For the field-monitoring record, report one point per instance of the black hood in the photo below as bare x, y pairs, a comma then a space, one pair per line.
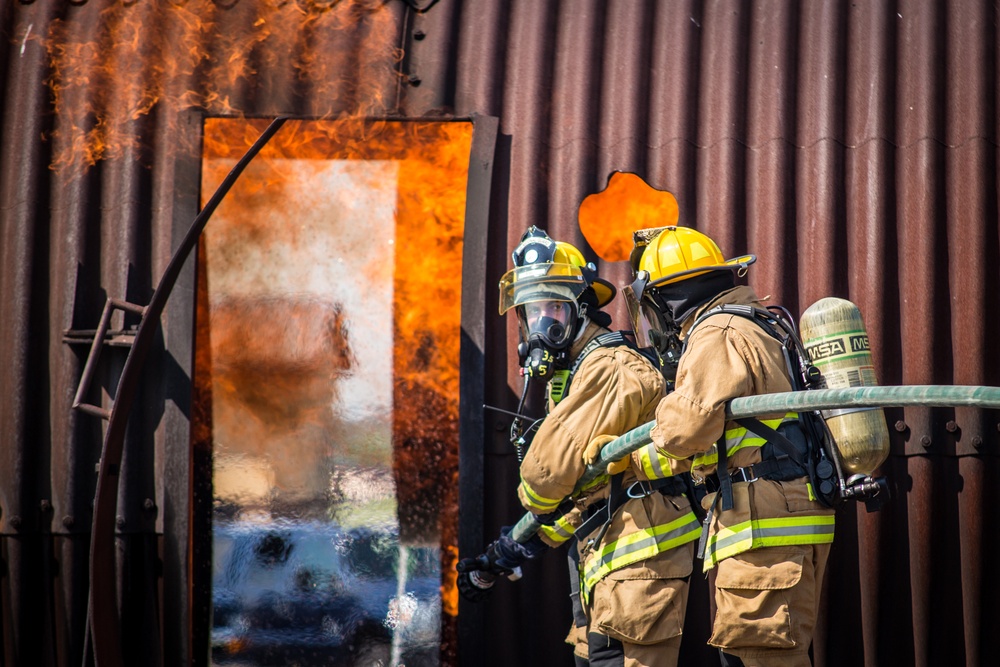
590, 300
682, 299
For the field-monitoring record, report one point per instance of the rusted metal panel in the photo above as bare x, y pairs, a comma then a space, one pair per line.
820, 155
674, 86
71, 576
525, 115
973, 480
971, 159
721, 129
421, 55
920, 223
770, 154
572, 149
622, 110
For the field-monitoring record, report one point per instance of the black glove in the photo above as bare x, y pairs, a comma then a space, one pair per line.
509, 554
501, 559
476, 577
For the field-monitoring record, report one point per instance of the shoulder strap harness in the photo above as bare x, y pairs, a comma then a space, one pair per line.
602, 512
788, 461
559, 384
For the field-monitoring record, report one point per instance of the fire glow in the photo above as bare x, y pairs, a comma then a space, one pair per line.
628, 203
127, 80
306, 347
114, 64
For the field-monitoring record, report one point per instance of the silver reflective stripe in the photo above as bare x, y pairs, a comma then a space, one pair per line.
654, 463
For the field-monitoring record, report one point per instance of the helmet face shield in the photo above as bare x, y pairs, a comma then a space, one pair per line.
554, 291
650, 324
654, 329
540, 282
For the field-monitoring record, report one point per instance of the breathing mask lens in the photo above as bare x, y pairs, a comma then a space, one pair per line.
546, 331
550, 321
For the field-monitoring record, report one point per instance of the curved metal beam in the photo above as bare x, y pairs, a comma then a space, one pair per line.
104, 624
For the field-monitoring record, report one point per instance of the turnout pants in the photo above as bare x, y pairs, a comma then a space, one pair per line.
767, 601
608, 652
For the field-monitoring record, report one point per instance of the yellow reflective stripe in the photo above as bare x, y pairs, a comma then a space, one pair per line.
711, 457
738, 438
654, 464
558, 532
637, 546
671, 456
597, 481
756, 533
538, 503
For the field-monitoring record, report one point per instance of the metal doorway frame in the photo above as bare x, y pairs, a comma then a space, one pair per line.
103, 624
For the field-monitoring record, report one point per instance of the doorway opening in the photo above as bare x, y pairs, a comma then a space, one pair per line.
326, 391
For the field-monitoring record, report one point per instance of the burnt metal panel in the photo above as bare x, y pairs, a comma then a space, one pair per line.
472, 632
183, 500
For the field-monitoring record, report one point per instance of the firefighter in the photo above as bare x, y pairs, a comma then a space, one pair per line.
766, 537
634, 541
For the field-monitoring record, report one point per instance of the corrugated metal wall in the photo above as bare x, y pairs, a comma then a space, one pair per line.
851, 145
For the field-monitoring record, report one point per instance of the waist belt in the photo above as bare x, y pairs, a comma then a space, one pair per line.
780, 470
601, 512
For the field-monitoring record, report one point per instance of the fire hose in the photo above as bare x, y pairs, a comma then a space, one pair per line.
752, 406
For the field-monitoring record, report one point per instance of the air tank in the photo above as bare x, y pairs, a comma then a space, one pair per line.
834, 335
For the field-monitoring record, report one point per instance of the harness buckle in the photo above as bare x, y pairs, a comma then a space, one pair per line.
740, 475
644, 491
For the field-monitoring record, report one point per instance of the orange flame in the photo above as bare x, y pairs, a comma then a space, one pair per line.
628, 203
424, 264
113, 65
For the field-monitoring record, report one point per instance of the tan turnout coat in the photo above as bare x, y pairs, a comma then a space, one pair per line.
613, 391
777, 537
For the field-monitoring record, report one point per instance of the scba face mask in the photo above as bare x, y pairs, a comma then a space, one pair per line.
663, 335
653, 327
546, 299
554, 292
547, 329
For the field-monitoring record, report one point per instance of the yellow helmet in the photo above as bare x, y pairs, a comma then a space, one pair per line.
679, 253
554, 291
549, 270
662, 257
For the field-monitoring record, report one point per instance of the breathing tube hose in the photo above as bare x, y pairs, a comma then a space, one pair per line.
925, 396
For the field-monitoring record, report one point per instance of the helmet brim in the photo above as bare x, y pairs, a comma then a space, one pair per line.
540, 282
604, 290
737, 264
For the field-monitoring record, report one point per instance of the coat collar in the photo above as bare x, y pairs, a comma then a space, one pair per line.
741, 294
591, 332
